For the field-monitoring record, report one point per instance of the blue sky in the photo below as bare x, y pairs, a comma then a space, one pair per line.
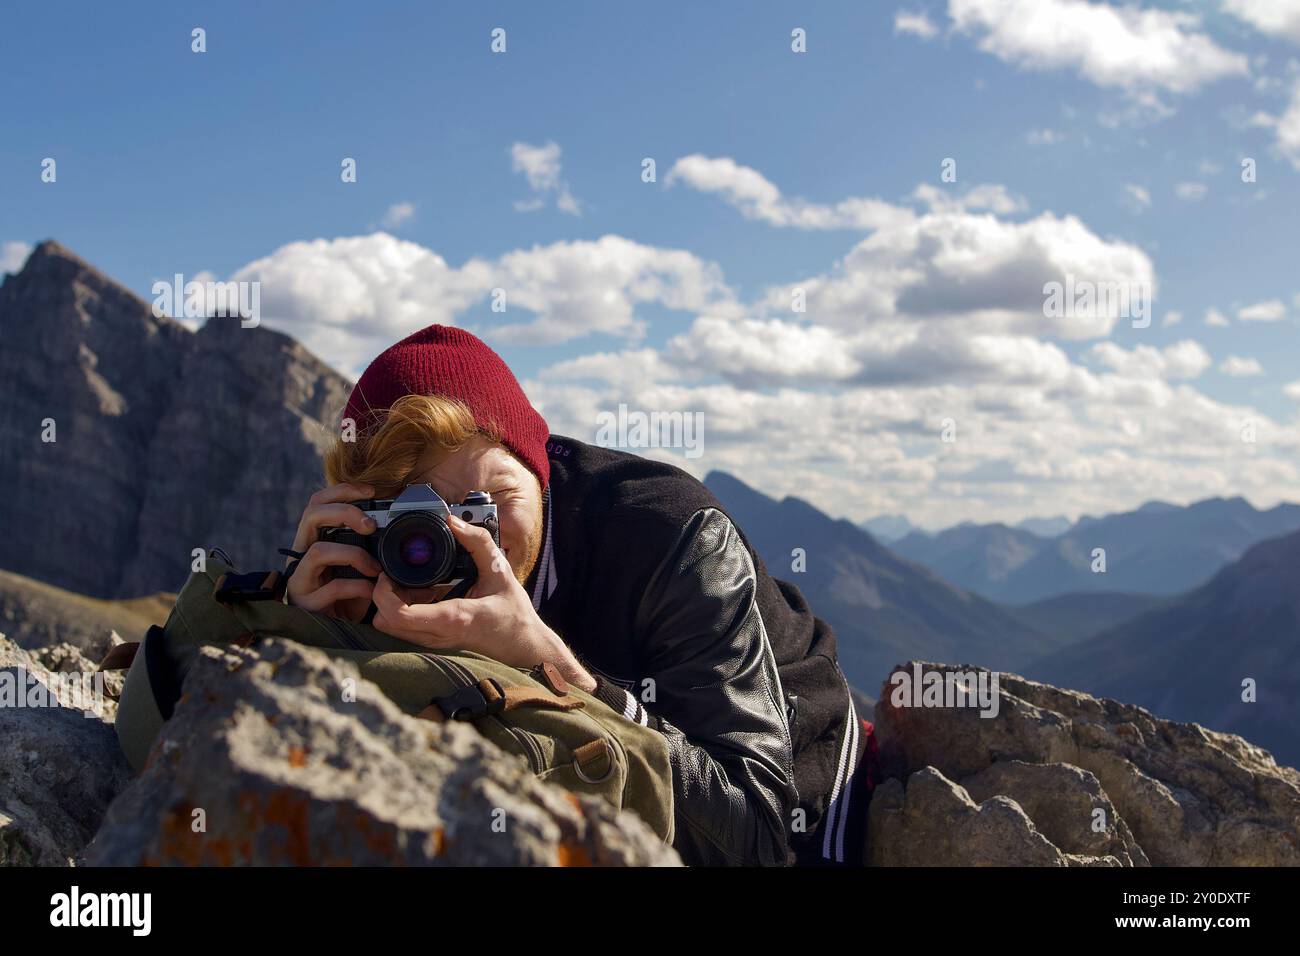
219, 163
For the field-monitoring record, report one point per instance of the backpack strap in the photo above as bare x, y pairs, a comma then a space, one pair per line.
518, 696
489, 697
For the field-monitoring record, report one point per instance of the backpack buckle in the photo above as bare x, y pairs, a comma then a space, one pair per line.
253, 586
470, 703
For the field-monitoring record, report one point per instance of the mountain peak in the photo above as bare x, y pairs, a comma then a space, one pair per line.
728, 488
52, 247
52, 255
45, 285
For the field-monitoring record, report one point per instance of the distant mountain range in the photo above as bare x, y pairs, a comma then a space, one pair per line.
884, 608
1159, 549
891, 528
1186, 659
1183, 657
1045, 527
888, 528
164, 440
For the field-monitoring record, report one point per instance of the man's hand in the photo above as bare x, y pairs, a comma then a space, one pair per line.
313, 585
496, 619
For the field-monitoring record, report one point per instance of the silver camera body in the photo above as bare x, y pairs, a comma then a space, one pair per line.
412, 542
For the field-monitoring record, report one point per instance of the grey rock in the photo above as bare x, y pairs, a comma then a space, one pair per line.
934, 822
68, 659
59, 770
1186, 795
1067, 804
281, 770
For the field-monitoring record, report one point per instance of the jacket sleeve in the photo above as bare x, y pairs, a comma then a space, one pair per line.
717, 699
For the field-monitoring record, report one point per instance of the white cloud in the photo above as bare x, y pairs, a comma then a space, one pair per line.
1275, 17
1183, 360
1139, 198
975, 272
631, 368
1214, 317
1239, 367
1287, 128
1136, 50
348, 298
576, 288
1044, 137
13, 255
1274, 310
1191, 192
764, 353
1099, 441
758, 352
1172, 317
397, 214
757, 198
991, 197
1292, 390
917, 24
541, 167
957, 262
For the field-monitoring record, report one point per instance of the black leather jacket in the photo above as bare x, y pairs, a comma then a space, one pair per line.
646, 578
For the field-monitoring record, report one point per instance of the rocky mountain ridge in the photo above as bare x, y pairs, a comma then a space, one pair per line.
129, 440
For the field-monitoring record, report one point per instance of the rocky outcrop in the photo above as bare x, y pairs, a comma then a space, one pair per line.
165, 440
1057, 777
59, 767
266, 763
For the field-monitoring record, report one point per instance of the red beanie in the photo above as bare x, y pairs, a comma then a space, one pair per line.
441, 360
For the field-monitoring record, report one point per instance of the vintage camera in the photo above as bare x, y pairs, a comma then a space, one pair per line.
413, 544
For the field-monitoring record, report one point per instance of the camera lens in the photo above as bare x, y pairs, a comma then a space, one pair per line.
417, 550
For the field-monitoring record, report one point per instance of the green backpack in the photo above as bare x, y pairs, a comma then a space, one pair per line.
566, 736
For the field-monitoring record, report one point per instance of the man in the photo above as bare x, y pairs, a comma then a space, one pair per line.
627, 575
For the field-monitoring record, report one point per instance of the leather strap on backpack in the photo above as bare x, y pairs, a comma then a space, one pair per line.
516, 696
489, 697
